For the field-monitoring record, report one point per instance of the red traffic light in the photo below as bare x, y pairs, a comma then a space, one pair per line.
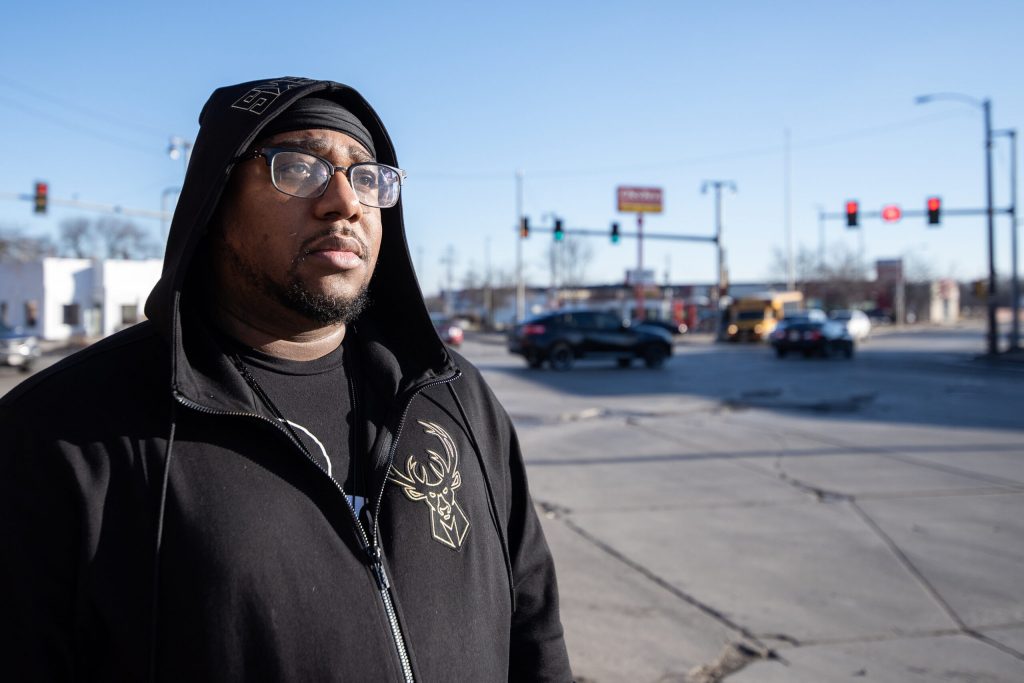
891, 213
41, 197
934, 210
851, 214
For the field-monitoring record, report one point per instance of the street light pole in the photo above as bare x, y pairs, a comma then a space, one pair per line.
821, 237
718, 185
993, 339
986, 107
1014, 277
163, 209
180, 148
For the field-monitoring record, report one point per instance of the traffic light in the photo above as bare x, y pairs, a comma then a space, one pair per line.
934, 210
41, 197
524, 227
980, 288
559, 232
615, 233
852, 208
891, 213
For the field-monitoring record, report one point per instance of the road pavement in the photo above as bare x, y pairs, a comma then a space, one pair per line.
737, 517
743, 518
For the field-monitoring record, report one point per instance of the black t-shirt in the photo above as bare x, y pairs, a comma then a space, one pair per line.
315, 399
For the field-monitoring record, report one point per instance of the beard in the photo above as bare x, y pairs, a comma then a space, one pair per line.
293, 294
319, 307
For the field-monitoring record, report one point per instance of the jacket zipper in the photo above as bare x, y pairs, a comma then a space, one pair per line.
376, 556
373, 550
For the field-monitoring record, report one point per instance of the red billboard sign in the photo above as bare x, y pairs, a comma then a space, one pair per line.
640, 199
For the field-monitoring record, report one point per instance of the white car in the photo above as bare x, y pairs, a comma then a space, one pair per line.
857, 322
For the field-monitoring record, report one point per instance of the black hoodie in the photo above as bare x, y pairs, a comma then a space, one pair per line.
156, 523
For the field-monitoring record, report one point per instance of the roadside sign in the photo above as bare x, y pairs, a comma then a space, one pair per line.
639, 199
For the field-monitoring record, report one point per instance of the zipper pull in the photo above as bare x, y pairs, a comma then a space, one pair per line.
378, 568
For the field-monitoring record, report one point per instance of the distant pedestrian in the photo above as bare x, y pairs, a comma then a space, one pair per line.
283, 474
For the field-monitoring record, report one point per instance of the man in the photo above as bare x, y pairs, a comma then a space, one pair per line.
283, 474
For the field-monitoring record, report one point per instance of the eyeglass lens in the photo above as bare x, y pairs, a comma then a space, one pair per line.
304, 175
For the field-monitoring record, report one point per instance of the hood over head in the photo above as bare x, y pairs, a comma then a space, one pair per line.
395, 324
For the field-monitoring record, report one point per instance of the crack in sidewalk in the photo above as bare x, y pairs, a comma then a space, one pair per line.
735, 655
823, 495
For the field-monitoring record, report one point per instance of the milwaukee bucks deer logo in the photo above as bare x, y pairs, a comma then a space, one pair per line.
435, 484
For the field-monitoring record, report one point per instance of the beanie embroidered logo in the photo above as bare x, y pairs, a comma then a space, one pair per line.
435, 484
263, 95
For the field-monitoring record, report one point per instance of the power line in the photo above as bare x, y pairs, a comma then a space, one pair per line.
736, 155
76, 127
71, 105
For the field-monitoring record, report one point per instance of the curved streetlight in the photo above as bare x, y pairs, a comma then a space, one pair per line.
180, 148
986, 107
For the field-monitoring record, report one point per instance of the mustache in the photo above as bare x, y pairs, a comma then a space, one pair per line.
309, 245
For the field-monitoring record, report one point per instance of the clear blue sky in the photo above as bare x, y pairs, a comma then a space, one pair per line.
582, 96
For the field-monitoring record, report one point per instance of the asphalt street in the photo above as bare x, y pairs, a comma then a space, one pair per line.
737, 517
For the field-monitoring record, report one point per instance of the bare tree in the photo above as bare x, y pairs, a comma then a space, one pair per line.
76, 238
570, 259
917, 269
472, 279
15, 246
123, 239
806, 266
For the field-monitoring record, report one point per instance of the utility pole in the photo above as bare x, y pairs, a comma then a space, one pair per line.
640, 313
986, 108
488, 295
718, 185
786, 220
520, 284
821, 237
993, 337
449, 261
1014, 275
163, 209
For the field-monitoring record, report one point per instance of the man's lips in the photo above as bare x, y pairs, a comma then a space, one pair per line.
336, 243
343, 253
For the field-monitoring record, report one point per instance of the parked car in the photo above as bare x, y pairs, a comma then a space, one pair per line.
451, 333
880, 316
669, 326
18, 349
857, 322
562, 337
813, 338
809, 315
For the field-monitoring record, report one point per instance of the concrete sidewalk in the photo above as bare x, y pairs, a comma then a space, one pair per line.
745, 545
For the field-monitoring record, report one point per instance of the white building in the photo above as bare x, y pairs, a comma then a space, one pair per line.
61, 298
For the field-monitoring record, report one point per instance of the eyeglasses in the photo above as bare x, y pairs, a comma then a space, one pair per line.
301, 174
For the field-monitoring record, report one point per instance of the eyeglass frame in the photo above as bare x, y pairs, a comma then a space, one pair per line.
268, 153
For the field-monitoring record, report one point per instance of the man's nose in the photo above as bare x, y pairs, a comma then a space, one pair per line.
339, 199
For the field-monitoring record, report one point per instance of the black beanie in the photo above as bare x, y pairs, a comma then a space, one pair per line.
317, 112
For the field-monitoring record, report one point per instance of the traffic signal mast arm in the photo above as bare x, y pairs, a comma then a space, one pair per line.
912, 213
590, 232
88, 206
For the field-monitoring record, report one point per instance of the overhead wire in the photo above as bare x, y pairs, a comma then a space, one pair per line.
736, 155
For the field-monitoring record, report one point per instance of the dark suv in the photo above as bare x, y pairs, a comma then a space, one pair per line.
562, 337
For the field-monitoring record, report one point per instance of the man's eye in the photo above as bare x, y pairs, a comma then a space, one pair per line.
297, 170
364, 178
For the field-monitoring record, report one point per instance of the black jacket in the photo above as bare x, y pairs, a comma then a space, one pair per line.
157, 524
